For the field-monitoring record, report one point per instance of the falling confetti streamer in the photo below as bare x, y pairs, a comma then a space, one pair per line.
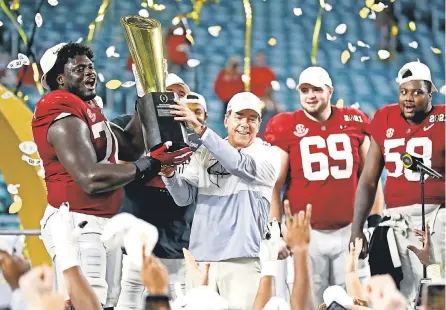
214, 31
116, 55
443, 90
372, 15
20, 19
383, 54
351, 47
345, 56
435, 50
28, 147
24, 59
364, 13
291, 83
328, 7
362, 44
113, 84
193, 62
101, 77
110, 51
53, 2
39, 20
330, 37
341, 29
297, 11
178, 31
340, 103
13, 189
316, 32
272, 42
7, 95
128, 84
143, 13
364, 58
412, 26
16, 205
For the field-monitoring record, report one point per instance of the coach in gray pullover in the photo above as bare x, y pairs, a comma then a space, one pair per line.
231, 182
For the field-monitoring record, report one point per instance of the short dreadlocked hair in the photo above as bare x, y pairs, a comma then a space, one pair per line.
66, 52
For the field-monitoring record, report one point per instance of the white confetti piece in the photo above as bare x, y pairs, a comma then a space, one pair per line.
355, 105
245, 78
413, 44
143, 13
1, 23
341, 29
291, 83
364, 58
362, 44
31, 161
297, 11
178, 31
330, 37
443, 90
53, 2
328, 7
23, 58
351, 47
110, 51
80, 40
7, 95
214, 31
15, 64
28, 147
117, 55
39, 20
41, 172
101, 77
20, 19
128, 84
383, 54
372, 15
13, 189
275, 85
193, 62
381, 6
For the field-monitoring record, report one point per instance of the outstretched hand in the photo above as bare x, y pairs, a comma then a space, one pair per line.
297, 230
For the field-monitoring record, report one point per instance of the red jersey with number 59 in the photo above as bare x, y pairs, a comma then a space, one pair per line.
324, 162
395, 136
60, 185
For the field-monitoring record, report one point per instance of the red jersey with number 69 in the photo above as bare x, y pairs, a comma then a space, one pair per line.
324, 162
395, 136
60, 185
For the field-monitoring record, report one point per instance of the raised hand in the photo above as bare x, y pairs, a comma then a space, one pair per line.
296, 232
196, 274
353, 257
426, 254
13, 267
154, 275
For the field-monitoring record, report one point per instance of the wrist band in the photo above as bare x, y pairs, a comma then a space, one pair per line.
157, 298
203, 130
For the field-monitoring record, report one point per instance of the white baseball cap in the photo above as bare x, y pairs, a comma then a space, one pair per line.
48, 60
245, 101
415, 71
315, 76
173, 79
196, 98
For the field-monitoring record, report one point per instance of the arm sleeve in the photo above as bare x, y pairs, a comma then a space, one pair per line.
184, 187
259, 168
122, 120
48, 112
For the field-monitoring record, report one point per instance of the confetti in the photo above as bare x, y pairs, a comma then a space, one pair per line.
110, 51
369, 3
20, 19
23, 58
297, 11
328, 7
340, 103
16, 205
116, 55
341, 29
383, 54
345, 56
128, 84
364, 58
101, 77
435, 50
362, 44
176, 21
372, 15
272, 42
80, 40
412, 26
15, 64
41, 172
13, 189
7, 95
178, 31
351, 47
113, 84
330, 38
143, 13
1, 23
28, 147
159, 7
53, 2
395, 30
379, 7
364, 13
245, 78
275, 85
214, 30
193, 62
413, 44
38, 19
291, 83
31, 161
355, 105
443, 90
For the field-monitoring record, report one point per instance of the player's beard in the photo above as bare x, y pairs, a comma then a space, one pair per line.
83, 96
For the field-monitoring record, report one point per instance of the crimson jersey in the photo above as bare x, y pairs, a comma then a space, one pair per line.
395, 136
60, 185
324, 162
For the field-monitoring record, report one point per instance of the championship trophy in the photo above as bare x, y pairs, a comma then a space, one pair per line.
144, 39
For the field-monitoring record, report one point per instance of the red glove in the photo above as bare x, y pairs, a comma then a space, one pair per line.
171, 158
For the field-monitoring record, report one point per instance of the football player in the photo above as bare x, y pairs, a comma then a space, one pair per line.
417, 127
326, 147
79, 151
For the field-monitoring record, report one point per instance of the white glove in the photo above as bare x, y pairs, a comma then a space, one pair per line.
139, 89
269, 250
66, 238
